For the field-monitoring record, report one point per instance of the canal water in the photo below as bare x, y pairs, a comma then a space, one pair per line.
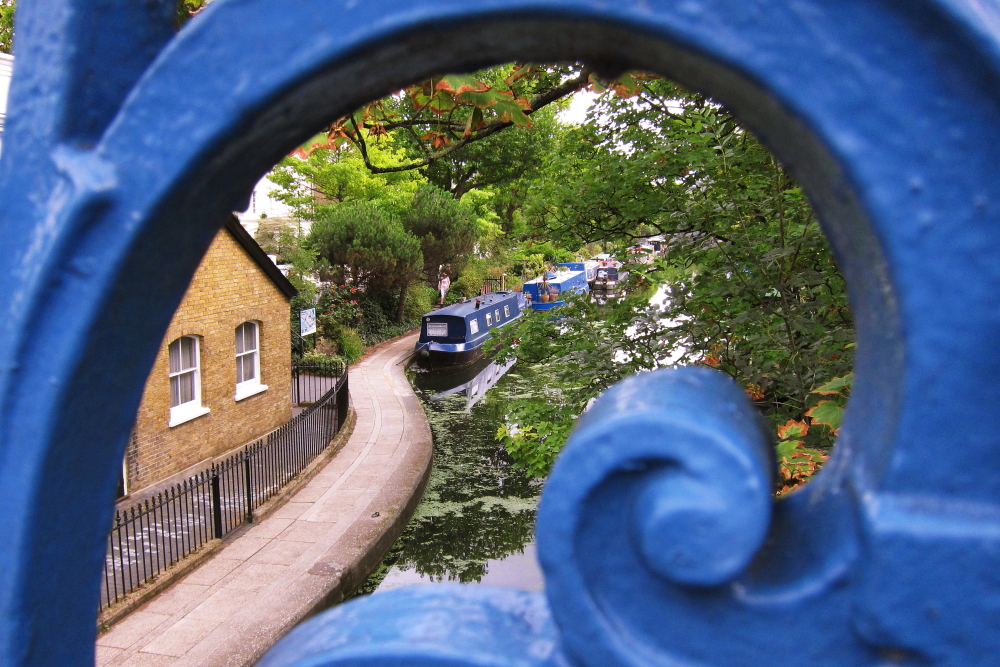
476, 520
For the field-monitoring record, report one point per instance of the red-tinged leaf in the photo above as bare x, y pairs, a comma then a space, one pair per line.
442, 103
520, 71
516, 117
626, 86
423, 89
510, 110
474, 123
595, 85
437, 139
460, 83
481, 100
827, 413
793, 429
836, 385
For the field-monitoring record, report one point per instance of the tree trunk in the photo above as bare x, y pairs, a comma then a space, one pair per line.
402, 302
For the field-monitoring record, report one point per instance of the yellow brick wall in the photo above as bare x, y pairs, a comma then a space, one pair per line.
227, 289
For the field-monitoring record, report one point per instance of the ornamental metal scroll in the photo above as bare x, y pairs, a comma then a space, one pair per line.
127, 145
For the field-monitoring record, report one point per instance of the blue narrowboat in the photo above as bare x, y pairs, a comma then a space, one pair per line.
589, 267
455, 334
554, 284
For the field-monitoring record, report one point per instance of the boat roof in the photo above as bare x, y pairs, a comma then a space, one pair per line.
468, 307
558, 277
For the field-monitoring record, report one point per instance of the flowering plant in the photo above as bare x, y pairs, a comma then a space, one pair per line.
336, 306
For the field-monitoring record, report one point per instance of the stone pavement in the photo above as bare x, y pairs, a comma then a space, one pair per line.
306, 554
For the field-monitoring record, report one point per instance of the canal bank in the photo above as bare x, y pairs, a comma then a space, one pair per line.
307, 554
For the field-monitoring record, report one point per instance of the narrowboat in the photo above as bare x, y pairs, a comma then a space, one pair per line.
608, 277
589, 267
455, 334
544, 290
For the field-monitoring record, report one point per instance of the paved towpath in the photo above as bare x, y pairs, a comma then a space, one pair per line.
305, 554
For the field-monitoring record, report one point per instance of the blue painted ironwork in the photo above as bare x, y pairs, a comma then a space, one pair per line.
126, 147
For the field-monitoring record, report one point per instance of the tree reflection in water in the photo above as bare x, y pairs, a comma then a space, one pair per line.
477, 506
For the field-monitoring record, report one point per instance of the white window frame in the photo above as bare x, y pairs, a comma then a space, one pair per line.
253, 386
185, 412
474, 325
496, 315
506, 311
489, 319
438, 328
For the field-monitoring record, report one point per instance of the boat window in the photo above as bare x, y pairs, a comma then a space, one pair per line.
437, 329
474, 325
506, 311
496, 314
489, 320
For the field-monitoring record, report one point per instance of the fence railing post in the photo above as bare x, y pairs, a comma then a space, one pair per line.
246, 467
216, 505
341, 399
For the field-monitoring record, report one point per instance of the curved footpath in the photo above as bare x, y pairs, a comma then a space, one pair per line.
308, 552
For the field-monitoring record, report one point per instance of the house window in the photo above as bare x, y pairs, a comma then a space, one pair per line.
506, 311
489, 320
474, 326
185, 380
248, 361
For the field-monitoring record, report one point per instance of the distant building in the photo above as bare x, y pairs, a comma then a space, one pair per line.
6, 70
222, 377
262, 205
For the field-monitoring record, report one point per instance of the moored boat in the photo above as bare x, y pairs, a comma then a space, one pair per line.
455, 334
545, 290
589, 268
608, 276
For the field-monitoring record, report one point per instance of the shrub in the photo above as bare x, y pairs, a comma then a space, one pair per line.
419, 300
328, 365
378, 318
350, 344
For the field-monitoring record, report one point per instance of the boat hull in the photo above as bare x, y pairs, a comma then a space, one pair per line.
454, 358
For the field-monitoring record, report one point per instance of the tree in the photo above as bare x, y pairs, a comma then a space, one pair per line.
498, 160
447, 231
445, 114
368, 248
312, 184
752, 287
7, 9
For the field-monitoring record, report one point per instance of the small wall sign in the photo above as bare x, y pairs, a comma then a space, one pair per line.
307, 321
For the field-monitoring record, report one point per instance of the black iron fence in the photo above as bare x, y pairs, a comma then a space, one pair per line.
152, 535
312, 379
494, 284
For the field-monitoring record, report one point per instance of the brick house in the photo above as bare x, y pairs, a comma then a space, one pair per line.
222, 377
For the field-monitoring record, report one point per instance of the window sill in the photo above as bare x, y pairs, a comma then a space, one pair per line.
247, 392
179, 416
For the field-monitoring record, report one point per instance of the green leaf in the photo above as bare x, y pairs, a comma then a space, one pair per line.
836, 385
787, 448
481, 100
828, 413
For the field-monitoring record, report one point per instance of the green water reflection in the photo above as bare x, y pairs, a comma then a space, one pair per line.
477, 507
